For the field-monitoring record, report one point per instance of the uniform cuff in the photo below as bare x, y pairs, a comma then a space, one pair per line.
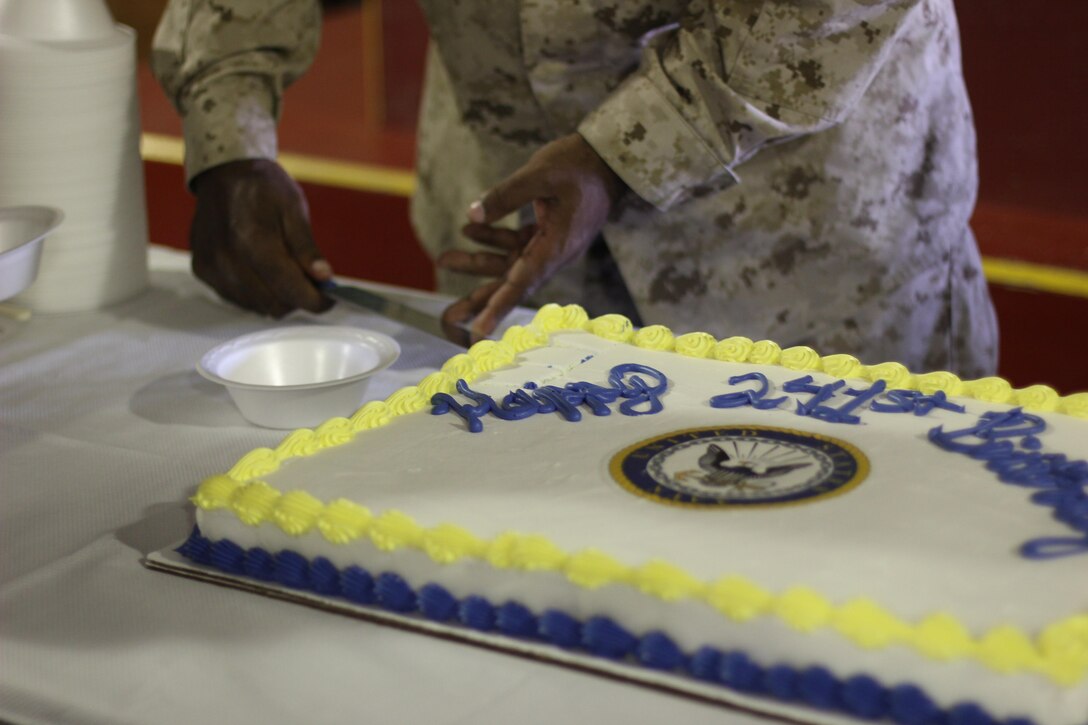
226, 119
649, 145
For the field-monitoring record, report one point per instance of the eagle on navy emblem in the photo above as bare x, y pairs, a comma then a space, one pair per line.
739, 466
719, 469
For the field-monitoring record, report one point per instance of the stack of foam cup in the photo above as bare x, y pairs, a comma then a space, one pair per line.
69, 138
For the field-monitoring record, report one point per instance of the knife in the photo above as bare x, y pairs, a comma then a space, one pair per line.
394, 310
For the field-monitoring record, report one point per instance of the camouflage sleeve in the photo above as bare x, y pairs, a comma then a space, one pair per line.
732, 77
224, 65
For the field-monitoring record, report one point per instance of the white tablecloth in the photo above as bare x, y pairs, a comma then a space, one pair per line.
105, 430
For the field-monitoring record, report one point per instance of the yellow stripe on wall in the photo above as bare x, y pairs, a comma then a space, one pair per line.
309, 169
399, 182
346, 175
162, 149
1056, 280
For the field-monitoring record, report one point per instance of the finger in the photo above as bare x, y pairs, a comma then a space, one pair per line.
498, 237
463, 310
321, 270
457, 315
530, 270
460, 314
540, 258
519, 282
453, 322
527, 232
505, 298
515, 191
498, 305
484, 264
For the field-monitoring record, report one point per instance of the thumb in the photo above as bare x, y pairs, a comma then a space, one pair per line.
515, 191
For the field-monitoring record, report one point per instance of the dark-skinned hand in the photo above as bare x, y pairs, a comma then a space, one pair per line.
572, 191
251, 239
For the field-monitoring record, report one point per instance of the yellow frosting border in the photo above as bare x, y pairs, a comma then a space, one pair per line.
1059, 651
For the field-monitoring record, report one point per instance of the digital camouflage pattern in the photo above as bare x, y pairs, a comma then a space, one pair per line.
799, 171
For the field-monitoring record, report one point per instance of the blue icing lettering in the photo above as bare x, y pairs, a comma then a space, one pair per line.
816, 406
639, 386
1008, 444
1054, 547
442, 403
756, 398
516, 405
824, 401
636, 391
844, 413
912, 401
596, 397
552, 399
820, 394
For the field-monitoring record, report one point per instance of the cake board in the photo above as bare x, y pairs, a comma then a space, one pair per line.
169, 561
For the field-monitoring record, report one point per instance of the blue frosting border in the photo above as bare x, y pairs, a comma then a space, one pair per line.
858, 696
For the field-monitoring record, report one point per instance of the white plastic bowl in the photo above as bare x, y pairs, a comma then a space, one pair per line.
22, 229
298, 377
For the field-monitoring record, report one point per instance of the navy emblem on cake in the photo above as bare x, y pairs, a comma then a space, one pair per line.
739, 466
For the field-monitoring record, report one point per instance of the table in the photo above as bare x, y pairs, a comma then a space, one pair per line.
105, 431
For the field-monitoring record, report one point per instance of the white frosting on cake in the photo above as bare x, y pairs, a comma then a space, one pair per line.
926, 532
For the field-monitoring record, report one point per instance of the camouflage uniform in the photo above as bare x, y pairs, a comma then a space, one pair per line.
799, 171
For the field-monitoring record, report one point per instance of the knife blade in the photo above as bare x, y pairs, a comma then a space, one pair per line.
393, 309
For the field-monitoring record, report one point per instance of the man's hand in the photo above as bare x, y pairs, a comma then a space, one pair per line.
251, 239
572, 191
